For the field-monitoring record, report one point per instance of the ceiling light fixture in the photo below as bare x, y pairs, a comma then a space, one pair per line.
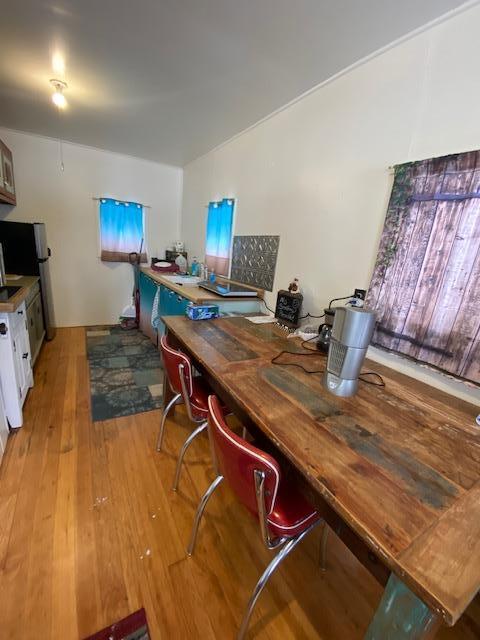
58, 98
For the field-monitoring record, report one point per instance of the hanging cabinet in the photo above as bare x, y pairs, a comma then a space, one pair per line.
7, 180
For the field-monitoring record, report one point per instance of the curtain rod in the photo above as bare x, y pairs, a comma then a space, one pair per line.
145, 206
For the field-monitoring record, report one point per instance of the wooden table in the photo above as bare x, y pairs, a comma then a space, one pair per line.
396, 470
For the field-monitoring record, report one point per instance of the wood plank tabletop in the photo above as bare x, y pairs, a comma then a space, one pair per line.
399, 464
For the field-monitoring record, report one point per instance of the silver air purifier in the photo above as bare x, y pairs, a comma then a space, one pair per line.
351, 334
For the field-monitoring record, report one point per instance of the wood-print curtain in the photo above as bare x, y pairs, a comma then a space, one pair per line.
425, 288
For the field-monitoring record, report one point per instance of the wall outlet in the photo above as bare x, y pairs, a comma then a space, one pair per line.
361, 294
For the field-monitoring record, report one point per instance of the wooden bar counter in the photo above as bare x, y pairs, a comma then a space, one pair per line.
395, 468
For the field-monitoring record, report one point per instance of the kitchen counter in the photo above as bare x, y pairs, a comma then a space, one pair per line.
26, 283
193, 293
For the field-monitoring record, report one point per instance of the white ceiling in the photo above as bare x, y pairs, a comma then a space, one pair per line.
168, 80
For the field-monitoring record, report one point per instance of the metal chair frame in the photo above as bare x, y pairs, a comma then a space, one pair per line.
180, 398
286, 544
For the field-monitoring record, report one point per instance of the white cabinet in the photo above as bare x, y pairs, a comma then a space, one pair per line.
4, 431
16, 375
36, 329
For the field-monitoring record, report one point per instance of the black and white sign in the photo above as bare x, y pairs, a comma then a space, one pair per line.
288, 308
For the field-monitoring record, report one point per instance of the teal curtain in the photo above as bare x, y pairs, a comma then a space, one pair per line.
219, 236
121, 230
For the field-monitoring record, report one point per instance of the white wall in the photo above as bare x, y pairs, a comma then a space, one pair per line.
316, 173
87, 291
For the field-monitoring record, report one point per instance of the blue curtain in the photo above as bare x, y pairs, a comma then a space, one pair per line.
219, 236
121, 230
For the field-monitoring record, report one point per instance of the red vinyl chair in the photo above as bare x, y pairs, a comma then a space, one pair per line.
189, 390
285, 516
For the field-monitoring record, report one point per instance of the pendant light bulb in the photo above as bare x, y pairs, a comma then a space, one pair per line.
58, 98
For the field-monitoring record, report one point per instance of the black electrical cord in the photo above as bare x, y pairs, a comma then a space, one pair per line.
274, 360
295, 364
372, 373
309, 340
268, 308
309, 315
338, 299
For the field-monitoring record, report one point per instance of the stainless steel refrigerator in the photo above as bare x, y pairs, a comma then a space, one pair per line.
26, 253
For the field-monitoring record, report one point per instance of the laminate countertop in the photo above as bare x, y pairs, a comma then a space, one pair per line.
26, 283
195, 294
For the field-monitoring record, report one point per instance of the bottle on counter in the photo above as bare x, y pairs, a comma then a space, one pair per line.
194, 267
181, 262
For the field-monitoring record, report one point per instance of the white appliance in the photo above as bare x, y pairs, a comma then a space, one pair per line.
4, 431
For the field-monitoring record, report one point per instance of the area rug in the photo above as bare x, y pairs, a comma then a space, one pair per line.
125, 372
133, 627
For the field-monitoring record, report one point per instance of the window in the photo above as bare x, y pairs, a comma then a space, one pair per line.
219, 236
425, 287
121, 230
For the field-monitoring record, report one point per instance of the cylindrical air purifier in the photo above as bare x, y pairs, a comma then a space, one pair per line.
351, 334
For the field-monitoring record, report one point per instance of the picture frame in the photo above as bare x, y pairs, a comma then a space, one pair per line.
8, 180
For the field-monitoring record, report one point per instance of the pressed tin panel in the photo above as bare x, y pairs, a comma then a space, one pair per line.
254, 259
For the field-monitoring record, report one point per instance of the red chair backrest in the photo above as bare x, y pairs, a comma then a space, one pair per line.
172, 359
237, 460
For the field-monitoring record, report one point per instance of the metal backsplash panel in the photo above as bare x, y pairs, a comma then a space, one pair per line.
254, 259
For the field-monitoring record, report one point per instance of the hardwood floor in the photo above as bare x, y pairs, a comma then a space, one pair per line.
90, 531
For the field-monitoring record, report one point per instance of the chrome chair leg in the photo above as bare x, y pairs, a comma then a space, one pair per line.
199, 513
173, 401
186, 444
281, 555
323, 547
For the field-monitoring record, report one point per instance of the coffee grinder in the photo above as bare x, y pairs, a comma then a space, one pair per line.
325, 330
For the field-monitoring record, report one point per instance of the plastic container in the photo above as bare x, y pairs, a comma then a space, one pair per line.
194, 267
203, 311
181, 262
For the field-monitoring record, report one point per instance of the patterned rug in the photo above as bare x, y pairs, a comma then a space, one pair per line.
125, 372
